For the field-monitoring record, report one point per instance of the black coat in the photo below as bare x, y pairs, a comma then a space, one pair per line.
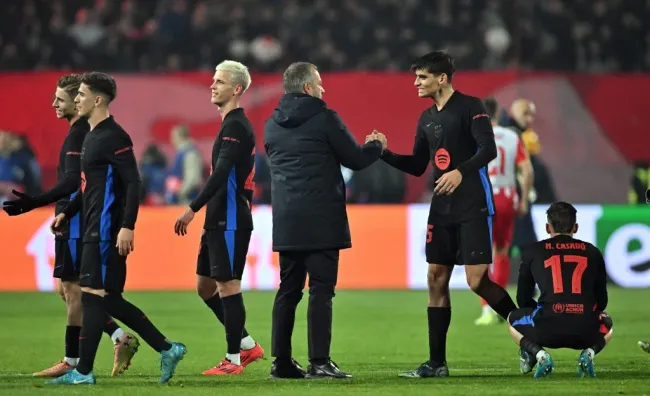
306, 145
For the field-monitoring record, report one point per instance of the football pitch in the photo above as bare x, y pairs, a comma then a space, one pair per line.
376, 335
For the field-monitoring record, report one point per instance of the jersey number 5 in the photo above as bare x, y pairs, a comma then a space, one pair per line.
555, 262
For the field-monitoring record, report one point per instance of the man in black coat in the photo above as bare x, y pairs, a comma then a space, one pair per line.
306, 145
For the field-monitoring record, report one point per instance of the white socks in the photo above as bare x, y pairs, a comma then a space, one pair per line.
234, 358
247, 343
487, 310
117, 334
72, 361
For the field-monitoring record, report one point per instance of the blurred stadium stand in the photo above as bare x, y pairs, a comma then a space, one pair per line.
573, 58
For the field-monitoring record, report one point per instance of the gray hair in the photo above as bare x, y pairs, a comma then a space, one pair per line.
297, 75
238, 73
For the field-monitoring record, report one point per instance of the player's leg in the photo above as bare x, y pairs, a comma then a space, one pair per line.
227, 253
523, 332
91, 280
600, 340
475, 252
66, 276
502, 230
206, 288
441, 251
322, 267
293, 274
171, 353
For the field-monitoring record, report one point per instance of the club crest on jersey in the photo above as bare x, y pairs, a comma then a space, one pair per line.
442, 159
437, 130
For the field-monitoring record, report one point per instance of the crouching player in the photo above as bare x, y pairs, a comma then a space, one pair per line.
571, 277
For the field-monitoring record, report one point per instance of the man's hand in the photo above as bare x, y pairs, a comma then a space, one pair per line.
523, 207
180, 228
125, 243
58, 221
448, 183
376, 135
16, 207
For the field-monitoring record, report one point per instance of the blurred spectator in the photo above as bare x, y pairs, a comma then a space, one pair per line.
262, 179
153, 171
379, 183
640, 183
28, 164
564, 35
18, 167
185, 177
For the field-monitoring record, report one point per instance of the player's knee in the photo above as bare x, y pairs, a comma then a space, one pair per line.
71, 292
59, 289
477, 280
437, 281
321, 289
229, 288
474, 282
206, 287
111, 300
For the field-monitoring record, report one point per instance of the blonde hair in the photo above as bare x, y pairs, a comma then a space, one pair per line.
238, 73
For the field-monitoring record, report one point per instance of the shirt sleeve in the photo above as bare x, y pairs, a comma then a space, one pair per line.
481, 129
601, 280
236, 143
72, 178
522, 154
525, 284
120, 155
349, 153
414, 164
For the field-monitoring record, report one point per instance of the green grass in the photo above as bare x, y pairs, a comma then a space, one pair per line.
376, 335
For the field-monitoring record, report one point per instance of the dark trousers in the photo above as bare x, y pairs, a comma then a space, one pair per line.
322, 267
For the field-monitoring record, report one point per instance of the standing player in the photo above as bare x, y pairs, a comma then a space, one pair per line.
571, 277
109, 191
511, 157
456, 135
67, 245
228, 193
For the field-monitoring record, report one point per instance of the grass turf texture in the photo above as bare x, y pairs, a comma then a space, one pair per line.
376, 335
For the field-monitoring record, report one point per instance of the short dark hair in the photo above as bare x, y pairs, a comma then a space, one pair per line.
297, 75
562, 217
491, 106
70, 84
436, 62
100, 83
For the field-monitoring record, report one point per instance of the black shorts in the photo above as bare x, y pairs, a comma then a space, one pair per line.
531, 323
222, 254
67, 259
467, 243
102, 267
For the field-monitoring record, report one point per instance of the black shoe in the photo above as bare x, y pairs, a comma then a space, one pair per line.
286, 369
326, 370
427, 370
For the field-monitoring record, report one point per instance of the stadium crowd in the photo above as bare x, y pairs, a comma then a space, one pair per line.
170, 35
157, 35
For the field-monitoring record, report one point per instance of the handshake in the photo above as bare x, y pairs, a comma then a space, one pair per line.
375, 135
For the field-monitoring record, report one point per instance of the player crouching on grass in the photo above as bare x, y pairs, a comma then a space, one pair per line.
571, 277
